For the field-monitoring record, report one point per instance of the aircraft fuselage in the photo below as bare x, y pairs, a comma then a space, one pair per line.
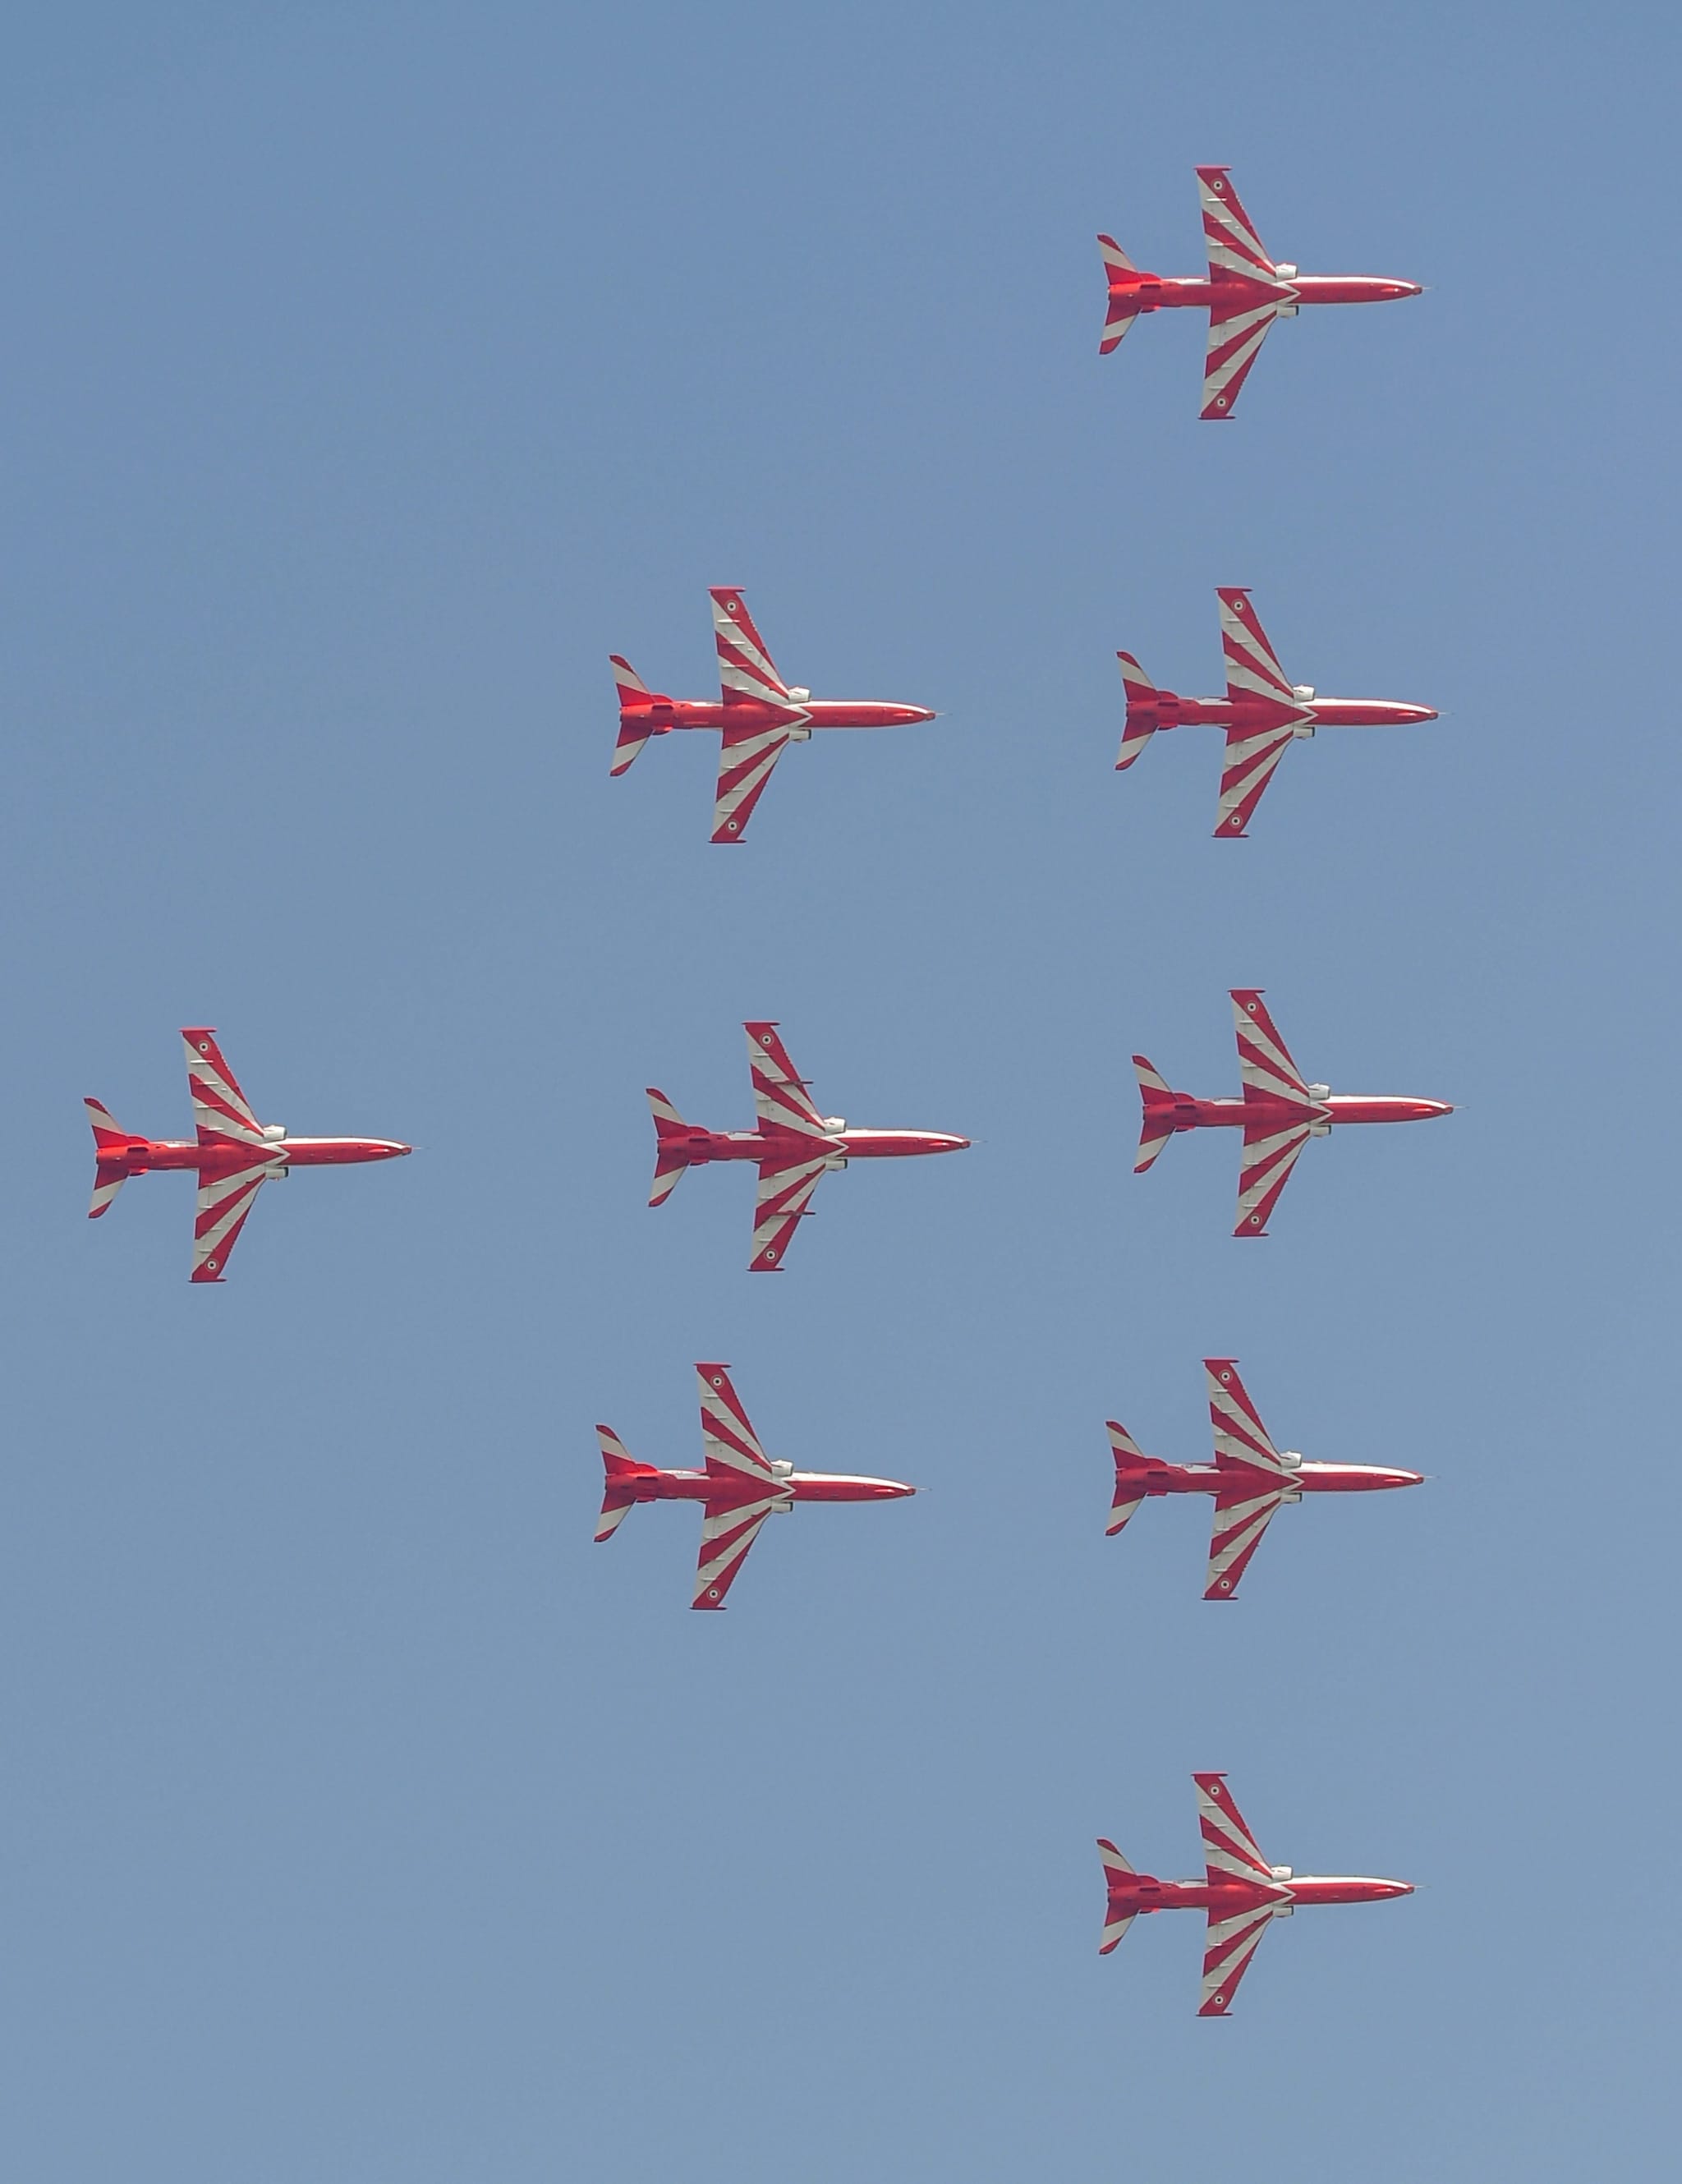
663, 715
700, 1146
145, 1153
1191, 1113
1141, 1892
1160, 1478
652, 1485
1257, 715
1153, 291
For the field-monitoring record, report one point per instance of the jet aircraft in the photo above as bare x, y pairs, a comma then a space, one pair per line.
794, 1146
1251, 1480
1240, 1892
1279, 1113
1262, 712
1246, 291
740, 1487
234, 1154
760, 716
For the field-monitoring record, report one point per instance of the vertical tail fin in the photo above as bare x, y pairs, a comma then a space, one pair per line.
1143, 715
1158, 1124
619, 1493
1118, 1878
641, 713
671, 1156
110, 1154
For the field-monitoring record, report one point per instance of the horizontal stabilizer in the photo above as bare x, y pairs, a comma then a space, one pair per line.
1143, 718
1158, 1124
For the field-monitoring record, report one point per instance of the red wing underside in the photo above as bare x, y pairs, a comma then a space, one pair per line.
1270, 1153
785, 1189
1242, 1514
781, 1098
225, 1201
1238, 327
1248, 768
744, 764
728, 1530
1228, 1949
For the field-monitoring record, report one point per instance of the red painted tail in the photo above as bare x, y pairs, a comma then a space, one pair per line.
1124, 278
111, 1149
672, 1137
1158, 1124
641, 713
619, 1492
1144, 710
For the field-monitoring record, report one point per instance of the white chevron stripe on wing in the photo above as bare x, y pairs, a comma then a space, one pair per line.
1228, 1948
1230, 1850
1268, 1159
745, 758
784, 1192
1238, 1530
220, 1109
727, 1438
224, 1203
1248, 767
1240, 1437
1264, 1060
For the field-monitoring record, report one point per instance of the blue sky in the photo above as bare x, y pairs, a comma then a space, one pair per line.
371, 373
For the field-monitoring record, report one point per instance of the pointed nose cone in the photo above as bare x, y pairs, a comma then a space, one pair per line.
1394, 290
394, 1150
1393, 1478
913, 714
1385, 1889
948, 1144
1411, 714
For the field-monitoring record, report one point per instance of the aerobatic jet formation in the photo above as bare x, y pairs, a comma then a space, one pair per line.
740, 1487
794, 1146
233, 1153
1241, 1893
1278, 1113
1251, 1480
759, 716
1245, 291
1262, 713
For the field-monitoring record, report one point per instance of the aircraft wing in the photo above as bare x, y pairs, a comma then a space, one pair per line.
220, 1111
1230, 1852
1253, 669
732, 1446
1269, 1156
1242, 1514
1233, 246
1264, 1059
781, 1098
1245, 772
1227, 1948
1240, 1437
226, 1198
744, 763
728, 1529
785, 1189
1238, 327
745, 669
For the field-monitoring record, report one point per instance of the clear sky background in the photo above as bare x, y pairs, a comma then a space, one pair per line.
370, 372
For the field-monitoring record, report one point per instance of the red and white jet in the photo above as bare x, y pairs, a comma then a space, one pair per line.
234, 1154
1279, 1113
1262, 713
1245, 292
760, 716
1241, 1893
739, 1489
1251, 1480
794, 1147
